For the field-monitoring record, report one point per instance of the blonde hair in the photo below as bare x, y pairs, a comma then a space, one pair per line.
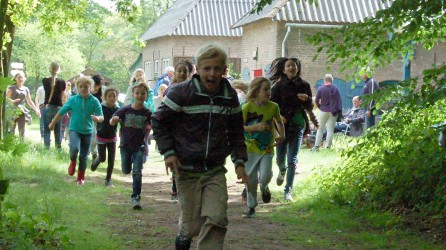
141, 77
254, 87
240, 84
211, 51
84, 79
54, 70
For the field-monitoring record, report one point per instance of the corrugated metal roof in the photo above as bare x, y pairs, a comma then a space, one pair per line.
200, 18
326, 11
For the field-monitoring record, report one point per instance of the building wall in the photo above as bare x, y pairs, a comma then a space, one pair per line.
168, 48
268, 37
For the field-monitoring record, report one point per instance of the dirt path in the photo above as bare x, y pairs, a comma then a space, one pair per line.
155, 226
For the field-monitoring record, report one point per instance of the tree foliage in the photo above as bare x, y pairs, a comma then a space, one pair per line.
398, 163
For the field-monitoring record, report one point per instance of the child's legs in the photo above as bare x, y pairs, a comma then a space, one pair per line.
174, 184
189, 197
102, 154
137, 158
93, 146
265, 170
41, 123
85, 142
252, 169
214, 211
126, 160
75, 145
111, 147
281, 152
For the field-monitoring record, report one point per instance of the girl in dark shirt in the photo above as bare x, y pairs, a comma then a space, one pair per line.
54, 89
106, 135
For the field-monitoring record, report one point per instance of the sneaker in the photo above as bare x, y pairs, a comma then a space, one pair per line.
314, 149
72, 168
136, 203
108, 183
94, 165
266, 195
80, 182
94, 156
280, 178
244, 197
249, 212
287, 196
173, 196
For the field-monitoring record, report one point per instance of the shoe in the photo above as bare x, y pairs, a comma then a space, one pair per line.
94, 165
80, 178
173, 196
244, 197
287, 196
280, 178
136, 203
314, 149
72, 168
108, 183
266, 195
249, 212
94, 156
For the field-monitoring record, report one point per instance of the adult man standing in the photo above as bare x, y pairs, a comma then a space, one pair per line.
164, 79
370, 87
328, 100
199, 124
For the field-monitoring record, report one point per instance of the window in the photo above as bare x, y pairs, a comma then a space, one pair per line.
157, 68
166, 63
148, 70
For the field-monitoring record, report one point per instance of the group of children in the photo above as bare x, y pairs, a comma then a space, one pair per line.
264, 128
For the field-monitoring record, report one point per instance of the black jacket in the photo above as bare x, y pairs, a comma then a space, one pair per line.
202, 130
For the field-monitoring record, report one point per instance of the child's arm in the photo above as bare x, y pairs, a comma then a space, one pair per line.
54, 121
114, 120
281, 132
97, 118
261, 126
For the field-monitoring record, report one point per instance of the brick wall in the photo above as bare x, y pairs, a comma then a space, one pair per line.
268, 36
183, 46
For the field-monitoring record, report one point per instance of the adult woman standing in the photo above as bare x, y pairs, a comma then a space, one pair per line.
293, 95
17, 94
54, 90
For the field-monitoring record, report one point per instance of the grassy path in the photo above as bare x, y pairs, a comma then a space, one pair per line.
102, 218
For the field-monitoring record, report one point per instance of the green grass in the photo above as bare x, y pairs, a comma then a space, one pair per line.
40, 187
42, 195
316, 222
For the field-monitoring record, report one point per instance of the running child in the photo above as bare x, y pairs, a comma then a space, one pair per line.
106, 135
259, 117
85, 109
134, 118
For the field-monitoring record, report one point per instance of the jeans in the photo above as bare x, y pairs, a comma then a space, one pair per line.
259, 170
80, 144
136, 157
370, 121
41, 123
50, 112
289, 149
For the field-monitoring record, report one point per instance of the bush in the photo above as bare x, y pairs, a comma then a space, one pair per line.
399, 163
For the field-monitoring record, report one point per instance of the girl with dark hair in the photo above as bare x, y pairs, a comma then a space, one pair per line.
54, 91
17, 94
293, 95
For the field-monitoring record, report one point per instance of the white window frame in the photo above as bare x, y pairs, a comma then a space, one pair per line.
157, 68
166, 63
148, 70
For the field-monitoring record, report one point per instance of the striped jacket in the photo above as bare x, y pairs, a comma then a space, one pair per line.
202, 130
